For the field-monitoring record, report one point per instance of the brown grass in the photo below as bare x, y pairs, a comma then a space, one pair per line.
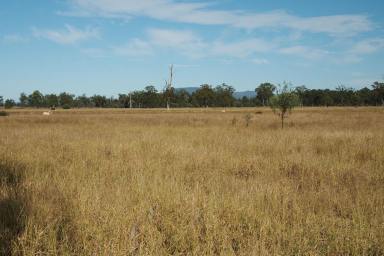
192, 182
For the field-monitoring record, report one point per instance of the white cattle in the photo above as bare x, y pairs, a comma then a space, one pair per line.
47, 113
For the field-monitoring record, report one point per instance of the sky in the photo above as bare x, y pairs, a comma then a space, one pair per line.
116, 46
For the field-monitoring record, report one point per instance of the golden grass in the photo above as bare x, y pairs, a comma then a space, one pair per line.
192, 182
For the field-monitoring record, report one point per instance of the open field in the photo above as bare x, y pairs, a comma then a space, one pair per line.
192, 182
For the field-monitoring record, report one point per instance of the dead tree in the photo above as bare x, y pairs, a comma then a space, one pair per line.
168, 87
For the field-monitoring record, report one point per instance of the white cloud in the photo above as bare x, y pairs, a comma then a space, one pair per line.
241, 49
203, 13
186, 65
94, 52
136, 47
360, 49
259, 61
70, 35
185, 41
304, 52
14, 38
367, 46
190, 44
344, 25
173, 38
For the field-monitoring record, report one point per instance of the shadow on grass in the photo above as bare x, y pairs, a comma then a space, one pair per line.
13, 207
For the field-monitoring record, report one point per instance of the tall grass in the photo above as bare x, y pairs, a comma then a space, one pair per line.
192, 182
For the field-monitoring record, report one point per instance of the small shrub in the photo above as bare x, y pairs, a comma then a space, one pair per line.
247, 119
3, 113
283, 102
66, 106
234, 121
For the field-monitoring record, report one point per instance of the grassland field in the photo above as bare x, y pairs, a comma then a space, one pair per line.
192, 182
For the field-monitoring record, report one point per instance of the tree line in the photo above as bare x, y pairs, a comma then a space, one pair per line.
205, 96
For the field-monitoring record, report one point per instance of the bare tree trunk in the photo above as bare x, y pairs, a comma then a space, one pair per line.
130, 100
169, 86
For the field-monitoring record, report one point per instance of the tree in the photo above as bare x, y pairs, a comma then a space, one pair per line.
224, 95
264, 92
204, 96
23, 99
151, 98
99, 101
344, 95
283, 102
137, 98
300, 91
1, 101
82, 101
124, 100
366, 97
9, 103
51, 100
36, 99
326, 100
182, 98
66, 99
169, 90
378, 92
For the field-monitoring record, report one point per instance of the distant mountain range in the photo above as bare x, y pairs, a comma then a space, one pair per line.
249, 94
237, 95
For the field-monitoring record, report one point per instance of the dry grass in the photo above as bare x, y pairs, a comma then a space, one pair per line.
192, 182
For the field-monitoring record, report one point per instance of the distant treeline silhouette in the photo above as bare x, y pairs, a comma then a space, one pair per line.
204, 96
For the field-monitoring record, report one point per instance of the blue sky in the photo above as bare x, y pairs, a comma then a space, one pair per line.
114, 46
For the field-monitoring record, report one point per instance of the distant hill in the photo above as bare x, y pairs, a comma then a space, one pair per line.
190, 90
237, 95
249, 94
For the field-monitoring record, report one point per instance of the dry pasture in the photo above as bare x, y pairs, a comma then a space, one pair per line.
192, 182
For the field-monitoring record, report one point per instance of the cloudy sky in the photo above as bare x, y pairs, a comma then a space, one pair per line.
113, 46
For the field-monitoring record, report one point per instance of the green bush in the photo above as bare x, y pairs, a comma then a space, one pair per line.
66, 106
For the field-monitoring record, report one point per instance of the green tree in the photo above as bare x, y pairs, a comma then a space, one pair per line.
66, 99
366, 97
264, 92
23, 99
204, 96
9, 103
326, 100
151, 98
123, 100
224, 95
82, 101
378, 92
300, 91
344, 95
283, 102
51, 100
1, 101
99, 101
182, 98
137, 98
36, 99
